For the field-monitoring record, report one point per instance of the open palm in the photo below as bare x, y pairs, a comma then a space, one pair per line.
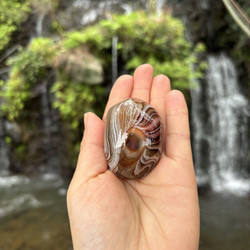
160, 211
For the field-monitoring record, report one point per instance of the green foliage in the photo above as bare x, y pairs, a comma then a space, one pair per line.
29, 67
74, 99
7, 140
12, 14
142, 38
90, 36
158, 40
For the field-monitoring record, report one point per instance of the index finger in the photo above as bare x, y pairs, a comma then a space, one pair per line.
121, 90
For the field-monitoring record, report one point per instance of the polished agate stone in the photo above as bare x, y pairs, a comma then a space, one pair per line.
133, 139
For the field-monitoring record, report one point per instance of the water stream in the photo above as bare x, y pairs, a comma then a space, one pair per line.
114, 59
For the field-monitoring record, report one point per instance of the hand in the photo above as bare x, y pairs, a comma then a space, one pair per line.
160, 211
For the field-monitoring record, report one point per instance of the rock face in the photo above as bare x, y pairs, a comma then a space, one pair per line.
79, 13
210, 22
81, 67
13, 130
4, 151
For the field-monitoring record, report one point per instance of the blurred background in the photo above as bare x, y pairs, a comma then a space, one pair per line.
59, 59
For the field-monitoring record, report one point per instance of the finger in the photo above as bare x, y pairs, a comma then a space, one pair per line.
142, 82
177, 143
121, 90
159, 90
91, 160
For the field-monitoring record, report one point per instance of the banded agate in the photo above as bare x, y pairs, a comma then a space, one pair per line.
133, 142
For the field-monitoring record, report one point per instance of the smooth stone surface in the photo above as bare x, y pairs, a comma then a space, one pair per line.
133, 140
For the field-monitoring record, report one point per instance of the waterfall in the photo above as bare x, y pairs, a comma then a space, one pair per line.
39, 24
114, 59
220, 121
159, 6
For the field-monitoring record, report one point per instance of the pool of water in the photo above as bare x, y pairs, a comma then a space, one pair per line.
33, 215
225, 222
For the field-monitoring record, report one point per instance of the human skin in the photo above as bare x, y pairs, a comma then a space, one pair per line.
159, 211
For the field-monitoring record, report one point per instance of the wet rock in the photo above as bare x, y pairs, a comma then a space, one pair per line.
81, 67
13, 130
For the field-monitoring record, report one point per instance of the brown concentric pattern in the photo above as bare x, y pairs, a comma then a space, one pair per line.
133, 139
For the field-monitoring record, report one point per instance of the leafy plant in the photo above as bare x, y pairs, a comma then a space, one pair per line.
142, 38
158, 40
12, 14
29, 67
74, 99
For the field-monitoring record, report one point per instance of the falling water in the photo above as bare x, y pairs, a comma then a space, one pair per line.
220, 126
159, 6
114, 59
39, 24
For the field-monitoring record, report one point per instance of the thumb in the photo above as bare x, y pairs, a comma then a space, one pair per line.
91, 160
